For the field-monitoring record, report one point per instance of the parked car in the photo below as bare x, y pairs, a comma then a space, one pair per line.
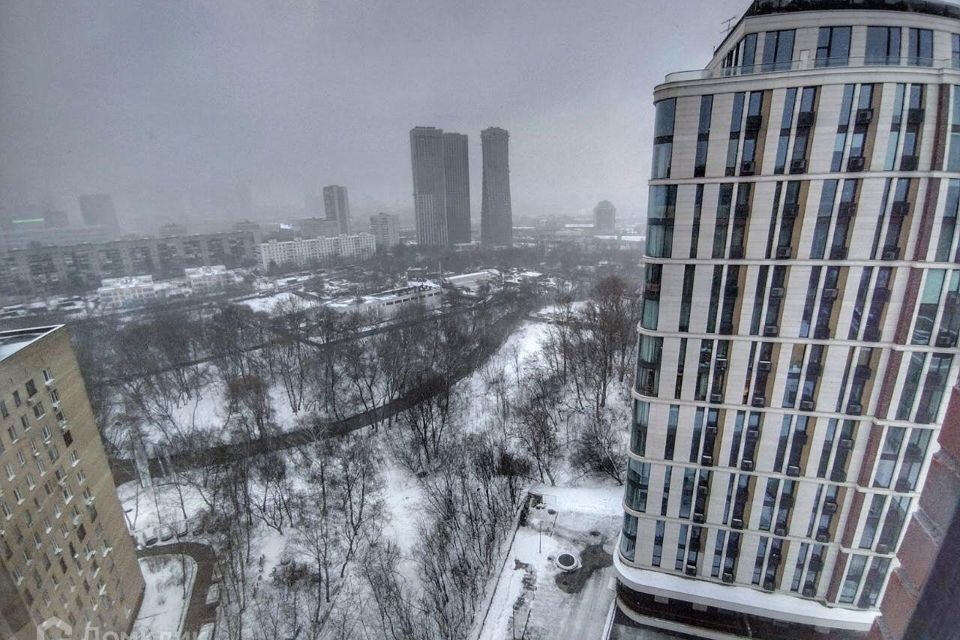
150, 539
166, 534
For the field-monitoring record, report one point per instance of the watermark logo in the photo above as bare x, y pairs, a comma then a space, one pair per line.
54, 629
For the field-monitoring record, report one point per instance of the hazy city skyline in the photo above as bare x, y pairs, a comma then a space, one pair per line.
149, 102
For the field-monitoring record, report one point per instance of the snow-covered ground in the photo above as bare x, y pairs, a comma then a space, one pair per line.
169, 583
532, 593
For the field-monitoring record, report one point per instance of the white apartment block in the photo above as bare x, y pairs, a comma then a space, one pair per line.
129, 291
800, 319
305, 251
392, 302
208, 278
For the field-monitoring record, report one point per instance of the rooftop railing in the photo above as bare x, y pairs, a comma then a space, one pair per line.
812, 64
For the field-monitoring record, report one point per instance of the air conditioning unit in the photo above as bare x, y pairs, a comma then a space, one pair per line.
854, 409
763, 365
909, 163
706, 461
798, 166
784, 253
774, 559
702, 490
699, 518
727, 577
829, 508
747, 168
915, 116
807, 405
806, 118
855, 164
890, 253
777, 292
759, 401
809, 592
900, 209
793, 471
823, 536
746, 465
691, 571
712, 429
716, 398
771, 330
946, 339
768, 584
780, 531
736, 523
847, 209
830, 294
864, 116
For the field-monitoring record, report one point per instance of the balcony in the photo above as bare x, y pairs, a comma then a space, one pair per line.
857, 65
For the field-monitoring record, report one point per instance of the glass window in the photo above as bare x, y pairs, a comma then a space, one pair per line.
778, 50
920, 48
641, 420
671, 440
660, 214
628, 541
663, 138
638, 485
833, 47
658, 544
883, 45
749, 53
703, 136
854, 575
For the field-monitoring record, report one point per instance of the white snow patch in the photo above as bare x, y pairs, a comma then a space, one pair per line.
169, 583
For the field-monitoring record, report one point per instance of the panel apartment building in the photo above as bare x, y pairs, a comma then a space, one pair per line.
805, 186
65, 551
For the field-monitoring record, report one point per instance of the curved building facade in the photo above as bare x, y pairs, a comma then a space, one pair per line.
804, 190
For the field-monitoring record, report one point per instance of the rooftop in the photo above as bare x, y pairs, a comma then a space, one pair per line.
13, 341
767, 7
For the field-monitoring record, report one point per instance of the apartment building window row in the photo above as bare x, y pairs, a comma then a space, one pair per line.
901, 458
703, 136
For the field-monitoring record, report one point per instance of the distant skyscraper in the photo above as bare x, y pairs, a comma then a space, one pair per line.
337, 206
97, 209
496, 215
429, 185
456, 166
605, 218
386, 229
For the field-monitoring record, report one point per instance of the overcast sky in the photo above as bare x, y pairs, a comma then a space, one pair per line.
144, 97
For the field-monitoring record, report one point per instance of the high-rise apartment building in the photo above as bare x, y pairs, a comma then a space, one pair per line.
496, 215
805, 186
65, 551
456, 169
429, 185
605, 218
385, 229
98, 210
336, 204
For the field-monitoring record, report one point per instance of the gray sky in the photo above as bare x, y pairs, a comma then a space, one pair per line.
145, 98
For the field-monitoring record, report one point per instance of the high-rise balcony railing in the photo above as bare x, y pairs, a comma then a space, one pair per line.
904, 62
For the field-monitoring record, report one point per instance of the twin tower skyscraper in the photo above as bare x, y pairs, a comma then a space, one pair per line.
441, 187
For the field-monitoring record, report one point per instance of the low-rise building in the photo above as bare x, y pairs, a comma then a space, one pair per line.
129, 291
305, 251
471, 283
389, 303
208, 278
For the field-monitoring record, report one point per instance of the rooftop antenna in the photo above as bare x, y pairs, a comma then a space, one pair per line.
728, 25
